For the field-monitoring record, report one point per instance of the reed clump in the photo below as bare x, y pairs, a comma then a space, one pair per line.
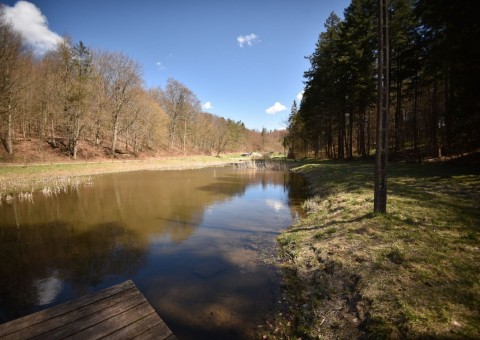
265, 164
48, 187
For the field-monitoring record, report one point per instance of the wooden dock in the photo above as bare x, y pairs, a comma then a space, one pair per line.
118, 312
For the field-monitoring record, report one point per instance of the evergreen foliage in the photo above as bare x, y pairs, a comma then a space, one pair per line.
434, 103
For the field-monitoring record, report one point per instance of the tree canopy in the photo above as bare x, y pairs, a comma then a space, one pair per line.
73, 95
434, 101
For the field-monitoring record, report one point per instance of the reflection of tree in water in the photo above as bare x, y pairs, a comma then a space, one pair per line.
227, 186
43, 260
182, 225
56, 251
237, 183
295, 186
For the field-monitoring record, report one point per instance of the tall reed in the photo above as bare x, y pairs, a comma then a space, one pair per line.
264, 164
46, 186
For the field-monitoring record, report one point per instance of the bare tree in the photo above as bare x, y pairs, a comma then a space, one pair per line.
228, 134
181, 105
74, 86
149, 127
11, 52
121, 80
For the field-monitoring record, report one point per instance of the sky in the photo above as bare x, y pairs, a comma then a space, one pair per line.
244, 60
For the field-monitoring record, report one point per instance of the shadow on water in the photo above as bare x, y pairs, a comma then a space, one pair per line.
194, 242
217, 227
37, 261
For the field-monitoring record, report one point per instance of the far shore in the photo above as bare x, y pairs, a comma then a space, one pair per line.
18, 178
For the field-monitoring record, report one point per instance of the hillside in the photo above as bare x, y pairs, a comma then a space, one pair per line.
36, 150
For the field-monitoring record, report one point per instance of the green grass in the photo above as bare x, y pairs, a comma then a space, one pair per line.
416, 268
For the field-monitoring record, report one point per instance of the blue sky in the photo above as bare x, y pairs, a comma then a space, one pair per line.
243, 59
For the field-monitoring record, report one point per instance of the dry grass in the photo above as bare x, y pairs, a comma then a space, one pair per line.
413, 272
35, 165
16, 179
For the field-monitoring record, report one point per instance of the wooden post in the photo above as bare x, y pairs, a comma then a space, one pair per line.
381, 155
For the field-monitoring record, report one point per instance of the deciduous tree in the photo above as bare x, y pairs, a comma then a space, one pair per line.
121, 80
12, 79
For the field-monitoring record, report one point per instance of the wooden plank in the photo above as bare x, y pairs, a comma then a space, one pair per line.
93, 319
114, 323
119, 312
55, 311
82, 313
138, 327
160, 331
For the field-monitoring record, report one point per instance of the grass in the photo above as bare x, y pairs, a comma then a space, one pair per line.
411, 273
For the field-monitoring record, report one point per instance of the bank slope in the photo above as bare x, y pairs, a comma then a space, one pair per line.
414, 272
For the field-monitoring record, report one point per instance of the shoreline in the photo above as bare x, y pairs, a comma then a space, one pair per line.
411, 273
18, 179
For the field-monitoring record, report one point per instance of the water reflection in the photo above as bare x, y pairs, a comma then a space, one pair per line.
194, 242
48, 288
39, 260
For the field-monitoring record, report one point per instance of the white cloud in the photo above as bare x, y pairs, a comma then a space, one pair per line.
28, 20
276, 108
48, 289
300, 96
275, 204
249, 40
160, 66
207, 106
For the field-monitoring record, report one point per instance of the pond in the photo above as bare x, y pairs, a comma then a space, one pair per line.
199, 244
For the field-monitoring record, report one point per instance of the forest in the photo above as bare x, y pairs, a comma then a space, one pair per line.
434, 106
75, 96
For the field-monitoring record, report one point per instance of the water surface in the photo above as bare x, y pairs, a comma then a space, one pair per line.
197, 243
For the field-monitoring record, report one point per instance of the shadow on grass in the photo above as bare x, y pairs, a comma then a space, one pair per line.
423, 252
443, 185
331, 223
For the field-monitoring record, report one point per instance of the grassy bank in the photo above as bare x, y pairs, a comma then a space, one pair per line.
18, 179
413, 272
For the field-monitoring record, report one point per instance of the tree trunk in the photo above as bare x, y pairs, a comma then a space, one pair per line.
369, 135
398, 109
330, 149
97, 136
448, 112
434, 120
54, 142
172, 136
398, 118
76, 137
135, 144
361, 137
184, 136
115, 135
381, 155
350, 132
415, 127
341, 137
8, 137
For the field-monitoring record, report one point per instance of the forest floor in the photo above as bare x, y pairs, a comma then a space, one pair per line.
37, 167
413, 272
